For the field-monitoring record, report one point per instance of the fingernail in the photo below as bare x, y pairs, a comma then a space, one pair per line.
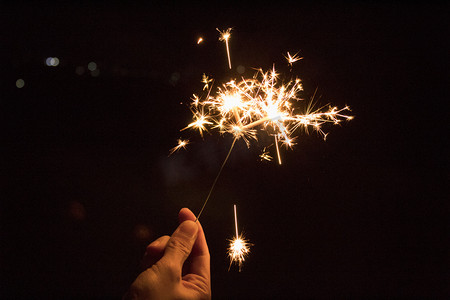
155, 243
189, 228
152, 246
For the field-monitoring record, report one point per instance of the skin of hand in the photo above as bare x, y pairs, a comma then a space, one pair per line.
176, 267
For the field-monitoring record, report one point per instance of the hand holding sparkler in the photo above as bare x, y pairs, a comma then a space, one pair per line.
168, 273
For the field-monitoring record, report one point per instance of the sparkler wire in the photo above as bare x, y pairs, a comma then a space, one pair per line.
217, 177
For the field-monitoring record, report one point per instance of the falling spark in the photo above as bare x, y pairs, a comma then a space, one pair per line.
200, 122
225, 36
292, 58
239, 247
181, 144
199, 41
206, 81
265, 155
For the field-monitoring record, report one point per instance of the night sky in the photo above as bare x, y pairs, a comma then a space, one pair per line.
87, 181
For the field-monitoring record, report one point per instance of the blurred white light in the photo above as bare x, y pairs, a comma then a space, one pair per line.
20, 83
92, 66
55, 61
52, 61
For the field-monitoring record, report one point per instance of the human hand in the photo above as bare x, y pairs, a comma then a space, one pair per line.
176, 267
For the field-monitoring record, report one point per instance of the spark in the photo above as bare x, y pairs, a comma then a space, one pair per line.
195, 100
199, 41
292, 58
265, 155
225, 36
200, 122
250, 108
181, 144
206, 81
239, 247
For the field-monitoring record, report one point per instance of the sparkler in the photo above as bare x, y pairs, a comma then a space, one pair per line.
261, 105
239, 247
249, 108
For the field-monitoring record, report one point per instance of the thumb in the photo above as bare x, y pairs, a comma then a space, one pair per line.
180, 243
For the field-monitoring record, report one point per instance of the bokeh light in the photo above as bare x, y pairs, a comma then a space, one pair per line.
92, 66
20, 83
52, 61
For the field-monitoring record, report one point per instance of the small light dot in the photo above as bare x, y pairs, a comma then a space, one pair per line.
20, 83
92, 66
240, 69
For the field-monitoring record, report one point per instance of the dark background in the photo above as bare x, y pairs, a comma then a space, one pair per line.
87, 182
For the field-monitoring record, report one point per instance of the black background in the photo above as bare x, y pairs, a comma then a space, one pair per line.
87, 181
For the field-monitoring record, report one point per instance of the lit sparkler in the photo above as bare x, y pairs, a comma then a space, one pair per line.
261, 105
249, 108
239, 247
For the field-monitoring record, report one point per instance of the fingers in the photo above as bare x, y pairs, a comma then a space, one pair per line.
158, 245
180, 244
199, 258
200, 246
186, 214
154, 252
